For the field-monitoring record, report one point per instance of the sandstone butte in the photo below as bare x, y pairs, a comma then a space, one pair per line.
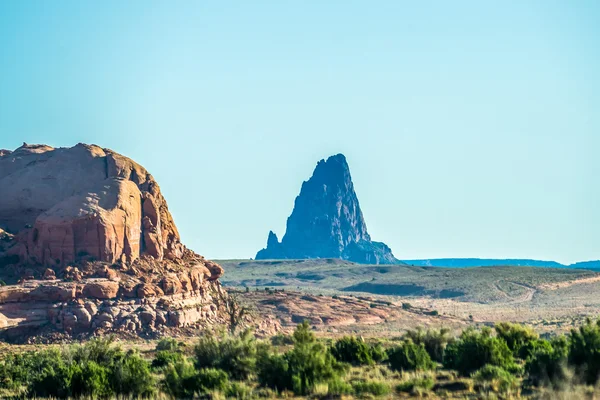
87, 244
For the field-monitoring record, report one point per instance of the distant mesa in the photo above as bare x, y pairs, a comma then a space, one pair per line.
327, 221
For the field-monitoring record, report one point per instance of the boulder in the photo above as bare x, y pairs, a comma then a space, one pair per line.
49, 274
148, 290
101, 289
170, 284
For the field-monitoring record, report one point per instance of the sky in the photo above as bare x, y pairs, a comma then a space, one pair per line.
472, 128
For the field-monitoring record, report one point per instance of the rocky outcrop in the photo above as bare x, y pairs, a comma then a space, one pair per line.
327, 221
83, 201
145, 297
88, 245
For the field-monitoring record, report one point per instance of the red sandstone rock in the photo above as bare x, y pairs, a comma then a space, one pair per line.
84, 201
53, 293
101, 289
148, 290
49, 274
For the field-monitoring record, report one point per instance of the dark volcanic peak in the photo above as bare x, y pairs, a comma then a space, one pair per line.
327, 221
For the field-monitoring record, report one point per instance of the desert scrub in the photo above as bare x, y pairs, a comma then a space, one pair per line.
548, 364
168, 351
96, 369
475, 349
183, 381
236, 355
356, 351
521, 340
168, 344
374, 388
416, 384
239, 391
496, 379
282, 340
434, 341
409, 357
338, 387
584, 351
302, 368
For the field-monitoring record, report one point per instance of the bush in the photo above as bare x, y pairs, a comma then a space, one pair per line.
406, 306
434, 341
409, 357
496, 379
96, 369
520, 339
375, 388
210, 379
167, 344
131, 375
378, 353
548, 364
584, 351
179, 380
234, 355
352, 350
166, 357
337, 387
239, 391
475, 349
300, 369
282, 340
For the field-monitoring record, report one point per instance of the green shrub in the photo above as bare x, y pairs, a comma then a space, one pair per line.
300, 369
548, 364
378, 353
375, 388
409, 357
337, 387
496, 379
239, 391
475, 349
179, 380
434, 341
96, 369
210, 379
167, 344
282, 340
234, 355
166, 357
131, 375
520, 339
406, 306
584, 351
352, 350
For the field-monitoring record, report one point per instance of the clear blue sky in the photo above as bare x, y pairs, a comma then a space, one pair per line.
472, 128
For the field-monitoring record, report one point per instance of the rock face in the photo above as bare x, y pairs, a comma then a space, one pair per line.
327, 221
87, 243
68, 203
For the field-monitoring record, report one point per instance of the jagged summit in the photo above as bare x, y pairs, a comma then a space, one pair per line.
327, 221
